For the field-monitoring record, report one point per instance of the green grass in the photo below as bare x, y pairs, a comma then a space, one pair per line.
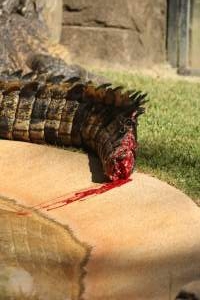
169, 132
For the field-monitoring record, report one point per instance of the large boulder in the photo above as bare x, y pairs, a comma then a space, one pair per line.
115, 32
144, 237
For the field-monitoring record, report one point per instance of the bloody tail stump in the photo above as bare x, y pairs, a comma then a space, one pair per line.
49, 109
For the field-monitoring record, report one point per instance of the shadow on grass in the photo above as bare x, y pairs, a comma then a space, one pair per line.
171, 165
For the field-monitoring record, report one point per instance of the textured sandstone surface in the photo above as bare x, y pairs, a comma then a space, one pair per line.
145, 235
116, 32
37, 254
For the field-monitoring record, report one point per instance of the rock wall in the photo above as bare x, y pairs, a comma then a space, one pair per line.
52, 15
116, 33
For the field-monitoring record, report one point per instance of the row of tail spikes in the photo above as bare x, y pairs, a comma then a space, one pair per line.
102, 93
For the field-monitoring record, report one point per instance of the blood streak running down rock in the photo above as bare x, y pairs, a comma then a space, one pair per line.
77, 196
67, 112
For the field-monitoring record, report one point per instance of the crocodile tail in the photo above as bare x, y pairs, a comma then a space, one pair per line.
110, 127
53, 110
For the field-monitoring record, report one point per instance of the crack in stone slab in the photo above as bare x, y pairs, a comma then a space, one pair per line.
77, 25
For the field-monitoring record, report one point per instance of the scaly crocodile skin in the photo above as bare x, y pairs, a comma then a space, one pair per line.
51, 109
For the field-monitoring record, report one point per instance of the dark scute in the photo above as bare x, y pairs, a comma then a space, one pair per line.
55, 79
17, 74
28, 76
72, 79
118, 88
30, 89
103, 86
76, 92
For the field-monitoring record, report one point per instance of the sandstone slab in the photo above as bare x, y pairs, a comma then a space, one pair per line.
144, 236
37, 255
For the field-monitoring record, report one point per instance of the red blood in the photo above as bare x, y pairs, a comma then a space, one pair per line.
82, 195
121, 163
119, 168
23, 213
86, 193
